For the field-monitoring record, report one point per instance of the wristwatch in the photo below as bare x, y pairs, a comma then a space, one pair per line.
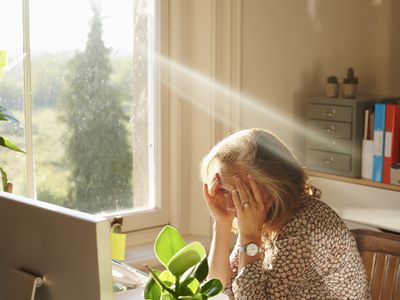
251, 249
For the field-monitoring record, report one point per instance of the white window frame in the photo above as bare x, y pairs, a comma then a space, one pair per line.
134, 220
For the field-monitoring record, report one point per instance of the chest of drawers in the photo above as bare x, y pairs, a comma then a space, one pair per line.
334, 134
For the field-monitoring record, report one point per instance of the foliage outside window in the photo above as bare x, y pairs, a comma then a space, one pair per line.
91, 123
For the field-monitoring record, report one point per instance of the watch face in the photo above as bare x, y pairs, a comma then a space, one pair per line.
252, 249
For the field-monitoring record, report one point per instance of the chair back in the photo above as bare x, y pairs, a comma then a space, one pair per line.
380, 253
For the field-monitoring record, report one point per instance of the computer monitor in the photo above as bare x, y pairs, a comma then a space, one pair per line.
69, 249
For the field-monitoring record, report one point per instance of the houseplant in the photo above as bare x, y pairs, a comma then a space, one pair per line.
6, 116
350, 84
186, 270
332, 87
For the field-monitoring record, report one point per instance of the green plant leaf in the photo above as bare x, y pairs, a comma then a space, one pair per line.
152, 290
200, 271
3, 178
189, 287
212, 287
6, 115
168, 296
3, 61
196, 297
167, 244
154, 275
6, 143
187, 257
167, 277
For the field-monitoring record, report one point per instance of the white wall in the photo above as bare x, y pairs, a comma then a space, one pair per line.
288, 48
291, 47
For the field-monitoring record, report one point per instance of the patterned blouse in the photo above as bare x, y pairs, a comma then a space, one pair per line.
314, 257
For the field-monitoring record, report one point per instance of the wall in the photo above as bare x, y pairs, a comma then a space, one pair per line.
291, 47
288, 48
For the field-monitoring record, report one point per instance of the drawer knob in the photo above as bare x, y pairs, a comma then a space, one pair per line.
329, 144
330, 128
329, 160
331, 113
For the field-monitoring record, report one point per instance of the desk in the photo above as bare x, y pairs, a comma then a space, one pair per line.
129, 294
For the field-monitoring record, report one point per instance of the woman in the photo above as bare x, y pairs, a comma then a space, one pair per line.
290, 244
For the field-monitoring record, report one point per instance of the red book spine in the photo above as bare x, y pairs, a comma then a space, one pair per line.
392, 140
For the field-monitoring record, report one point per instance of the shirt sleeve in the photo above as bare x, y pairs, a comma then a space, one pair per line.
291, 267
249, 283
285, 267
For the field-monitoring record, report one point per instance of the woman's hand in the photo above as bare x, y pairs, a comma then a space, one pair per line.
250, 207
216, 203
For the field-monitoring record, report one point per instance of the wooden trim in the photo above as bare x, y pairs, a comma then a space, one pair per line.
359, 181
30, 169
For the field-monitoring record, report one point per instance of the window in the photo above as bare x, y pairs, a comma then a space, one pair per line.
87, 97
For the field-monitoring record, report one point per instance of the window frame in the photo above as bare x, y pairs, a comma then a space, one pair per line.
132, 220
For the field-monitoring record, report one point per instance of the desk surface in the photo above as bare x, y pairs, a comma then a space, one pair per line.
129, 294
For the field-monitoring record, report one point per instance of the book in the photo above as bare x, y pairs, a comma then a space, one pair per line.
392, 140
379, 141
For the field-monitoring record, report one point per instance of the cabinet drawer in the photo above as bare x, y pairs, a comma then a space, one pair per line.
330, 112
330, 144
331, 129
329, 160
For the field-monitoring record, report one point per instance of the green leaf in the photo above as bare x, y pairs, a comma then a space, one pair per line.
155, 276
212, 287
167, 277
196, 297
189, 287
200, 271
187, 257
6, 143
167, 296
3, 178
167, 244
3, 61
152, 290
6, 115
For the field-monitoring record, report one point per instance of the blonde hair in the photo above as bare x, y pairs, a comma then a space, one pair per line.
274, 166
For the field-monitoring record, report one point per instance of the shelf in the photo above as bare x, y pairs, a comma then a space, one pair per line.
360, 181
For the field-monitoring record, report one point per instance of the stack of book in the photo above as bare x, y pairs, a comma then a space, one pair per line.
381, 143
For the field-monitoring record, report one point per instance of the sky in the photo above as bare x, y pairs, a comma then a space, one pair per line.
62, 25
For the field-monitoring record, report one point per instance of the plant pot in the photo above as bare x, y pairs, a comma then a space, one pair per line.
332, 90
349, 90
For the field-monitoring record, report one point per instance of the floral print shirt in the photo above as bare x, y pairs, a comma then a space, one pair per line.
314, 257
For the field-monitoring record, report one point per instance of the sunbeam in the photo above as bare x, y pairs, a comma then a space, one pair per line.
190, 81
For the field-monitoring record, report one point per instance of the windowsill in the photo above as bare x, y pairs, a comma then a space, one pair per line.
139, 255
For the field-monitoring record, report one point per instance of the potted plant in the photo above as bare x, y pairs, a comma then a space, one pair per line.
186, 270
332, 87
6, 116
350, 84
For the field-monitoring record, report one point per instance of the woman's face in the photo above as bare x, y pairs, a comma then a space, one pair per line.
225, 174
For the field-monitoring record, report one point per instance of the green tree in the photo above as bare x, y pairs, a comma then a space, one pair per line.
97, 148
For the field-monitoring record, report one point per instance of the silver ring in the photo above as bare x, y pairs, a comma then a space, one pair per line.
245, 204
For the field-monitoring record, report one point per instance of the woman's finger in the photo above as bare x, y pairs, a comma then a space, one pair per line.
206, 194
244, 197
214, 185
255, 190
237, 202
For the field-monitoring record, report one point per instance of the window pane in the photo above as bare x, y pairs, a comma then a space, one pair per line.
11, 93
90, 99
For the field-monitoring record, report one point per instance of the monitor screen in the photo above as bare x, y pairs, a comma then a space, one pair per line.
70, 250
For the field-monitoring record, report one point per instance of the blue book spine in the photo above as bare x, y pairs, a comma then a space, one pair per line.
379, 142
